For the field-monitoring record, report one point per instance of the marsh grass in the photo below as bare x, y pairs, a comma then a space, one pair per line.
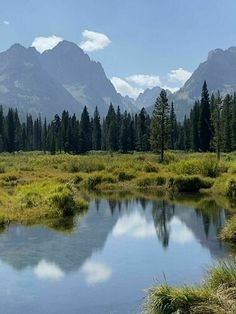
216, 295
30, 183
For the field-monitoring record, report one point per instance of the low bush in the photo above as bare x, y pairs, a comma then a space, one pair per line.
63, 201
151, 180
188, 183
231, 189
125, 176
228, 233
150, 168
93, 181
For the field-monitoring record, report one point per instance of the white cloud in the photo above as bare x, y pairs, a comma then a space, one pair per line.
96, 272
134, 225
124, 88
46, 270
44, 43
180, 75
172, 89
94, 41
179, 232
6, 22
144, 80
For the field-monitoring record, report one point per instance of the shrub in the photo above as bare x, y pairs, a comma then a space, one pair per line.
206, 166
188, 183
30, 199
228, 233
93, 181
150, 168
231, 189
77, 179
63, 201
156, 180
125, 176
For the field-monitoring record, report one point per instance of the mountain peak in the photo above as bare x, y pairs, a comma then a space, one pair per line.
66, 46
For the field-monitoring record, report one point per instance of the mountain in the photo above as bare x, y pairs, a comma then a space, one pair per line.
83, 78
219, 70
148, 97
26, 85
63, 78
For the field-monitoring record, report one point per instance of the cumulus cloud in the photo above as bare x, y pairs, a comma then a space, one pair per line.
134, 225
180, 75
94, 41
172, 89
6, 22
96, 272
124, 88
46, 270
44, 43
144, 80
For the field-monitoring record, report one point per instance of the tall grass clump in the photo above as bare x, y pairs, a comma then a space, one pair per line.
64, 202
207, 166
216, 295
188, 183
228, 233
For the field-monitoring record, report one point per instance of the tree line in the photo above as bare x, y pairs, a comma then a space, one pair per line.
210, 126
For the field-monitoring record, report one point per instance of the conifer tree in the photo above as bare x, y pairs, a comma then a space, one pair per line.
160, 124
96, 132
205, 131
85, 139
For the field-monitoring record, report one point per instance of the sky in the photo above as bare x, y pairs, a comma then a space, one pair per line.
140, 43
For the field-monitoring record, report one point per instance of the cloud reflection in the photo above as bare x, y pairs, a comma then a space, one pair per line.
179, 232
96, 272
47, 270
135, 226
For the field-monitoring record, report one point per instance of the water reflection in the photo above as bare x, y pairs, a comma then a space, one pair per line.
107, 255
96, 272
52, 253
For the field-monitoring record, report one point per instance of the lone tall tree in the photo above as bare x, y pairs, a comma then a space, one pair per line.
160, 124
217, 124
205, 120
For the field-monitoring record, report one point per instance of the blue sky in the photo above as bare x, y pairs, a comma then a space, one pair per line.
145, 42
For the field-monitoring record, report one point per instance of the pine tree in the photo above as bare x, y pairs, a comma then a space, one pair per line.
173, 127
217, 124
142, 131
111, 130
205, 131
160, 124
233, 127
85, 138
10, 131
124, 133
227, 123
96, 132
194, 124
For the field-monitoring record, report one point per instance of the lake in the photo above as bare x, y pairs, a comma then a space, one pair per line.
102, 261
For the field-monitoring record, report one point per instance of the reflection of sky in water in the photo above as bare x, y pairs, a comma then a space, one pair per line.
47, 270
104, 265
96, 272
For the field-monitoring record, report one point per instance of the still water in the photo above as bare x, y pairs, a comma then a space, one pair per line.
106, 259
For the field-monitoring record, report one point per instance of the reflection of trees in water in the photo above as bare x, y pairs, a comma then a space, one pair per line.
162, 213
211, 214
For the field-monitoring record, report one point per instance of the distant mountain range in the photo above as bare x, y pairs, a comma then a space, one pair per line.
66, 78
219, 70
61, 78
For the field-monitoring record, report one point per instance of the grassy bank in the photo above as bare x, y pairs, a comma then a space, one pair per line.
216, 295
38, 186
